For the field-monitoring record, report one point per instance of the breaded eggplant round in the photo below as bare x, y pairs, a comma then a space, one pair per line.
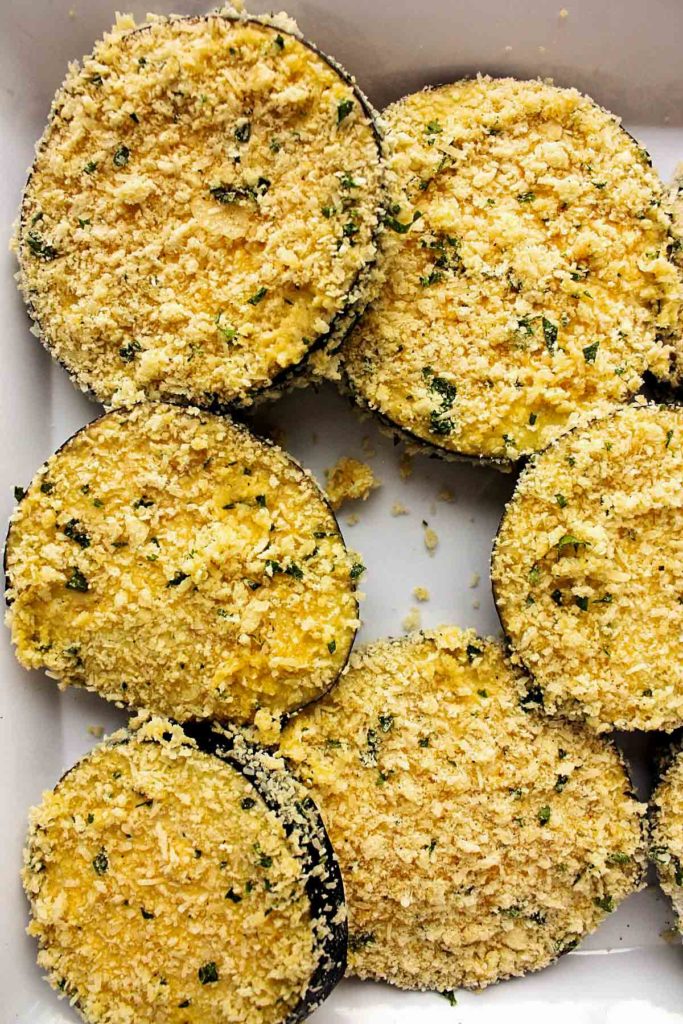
166, 558
587, 571
477, 838
201, 210
186, 880
527, 270
666, 832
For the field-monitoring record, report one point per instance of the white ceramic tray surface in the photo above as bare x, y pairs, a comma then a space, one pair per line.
627, 55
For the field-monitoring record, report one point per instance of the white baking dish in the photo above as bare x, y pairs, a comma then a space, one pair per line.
628, 57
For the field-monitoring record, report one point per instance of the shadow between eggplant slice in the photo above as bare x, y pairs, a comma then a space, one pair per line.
340, 324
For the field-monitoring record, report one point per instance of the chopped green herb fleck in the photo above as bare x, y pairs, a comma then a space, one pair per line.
526, 197
77, 581
386, 722
357, 570
549, 333
544, 815
19, 493
208, 973
258, 296
243, 131
561, 500
177, 579
90, 167
332, 646
591, 351
79, 536
121, 156
344, 109
100, 863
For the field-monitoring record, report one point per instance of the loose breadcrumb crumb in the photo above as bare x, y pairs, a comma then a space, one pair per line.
474, 580
421, 593
353, 519
405, 465
431, 538
96, 730
349, 480
412, 620
397, 509
446, 494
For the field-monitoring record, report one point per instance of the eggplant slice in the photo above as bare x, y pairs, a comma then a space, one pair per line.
166, 558
527, 270
587, 571
477, 838
201, 212
184, 877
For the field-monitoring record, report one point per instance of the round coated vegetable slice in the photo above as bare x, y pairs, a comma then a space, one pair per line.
166, 558
477, 838
201, 211
587, 571
666, 846
184, 879
527, 270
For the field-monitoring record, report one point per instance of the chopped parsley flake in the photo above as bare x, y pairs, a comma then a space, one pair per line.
591, 351
208, 973
121, 156
258, 296
344, 109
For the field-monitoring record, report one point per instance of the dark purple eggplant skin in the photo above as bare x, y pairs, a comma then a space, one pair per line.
240, 426
324, 888
286, 377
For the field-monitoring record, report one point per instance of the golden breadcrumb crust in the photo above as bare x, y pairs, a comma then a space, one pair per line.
587, 571
201, 207
666, 849
477, 839
527, 269
349, 480
162, 887
167, 558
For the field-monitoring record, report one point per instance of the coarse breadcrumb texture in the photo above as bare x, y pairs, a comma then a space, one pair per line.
162, 887
666, 848
527, 274
587, 571
167, 558
349, 480
477, 839
675, 202
202, 204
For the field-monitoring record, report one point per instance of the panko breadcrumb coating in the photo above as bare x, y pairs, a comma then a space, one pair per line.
349, 480
166, 558
477, 838
587, 571
167, 883
201, 211
527, 270
666, 843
